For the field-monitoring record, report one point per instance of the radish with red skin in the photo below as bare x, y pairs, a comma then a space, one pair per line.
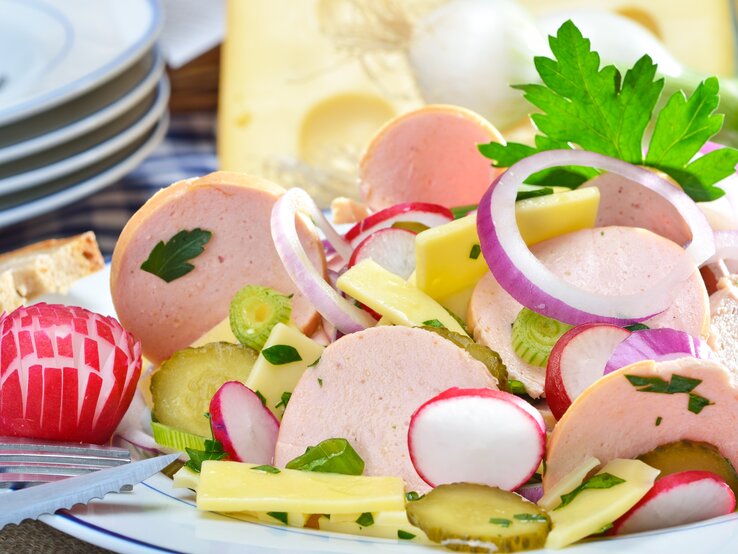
241, 422
678, 499
430, 215
481, 436
393, 249
657, 345
66, 373
577, 360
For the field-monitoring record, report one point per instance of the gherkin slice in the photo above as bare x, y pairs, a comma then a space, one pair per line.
255, 311
477, 518
487, 356
183, 385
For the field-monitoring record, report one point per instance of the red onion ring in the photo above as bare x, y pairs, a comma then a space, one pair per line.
533, 285
657, 345
346, 317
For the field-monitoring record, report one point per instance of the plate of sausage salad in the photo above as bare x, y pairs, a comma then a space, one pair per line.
503, 347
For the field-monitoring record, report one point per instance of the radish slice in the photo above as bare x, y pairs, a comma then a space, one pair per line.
678, 499
430, 215
533, 285
241, 422
657, 345
393, 249
346, 317
577, 360
476, 436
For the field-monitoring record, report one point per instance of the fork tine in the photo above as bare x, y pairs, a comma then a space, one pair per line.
51, 458
17, 444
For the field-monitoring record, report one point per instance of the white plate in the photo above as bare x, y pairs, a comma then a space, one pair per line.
61, 50
75, 155
157, 518
26, 204
84, 114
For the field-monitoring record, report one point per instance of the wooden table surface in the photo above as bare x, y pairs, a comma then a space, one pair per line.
33, 537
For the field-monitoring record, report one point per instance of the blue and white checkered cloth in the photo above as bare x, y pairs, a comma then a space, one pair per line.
187, 151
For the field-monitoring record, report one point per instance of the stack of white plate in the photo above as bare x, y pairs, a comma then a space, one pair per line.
83, 98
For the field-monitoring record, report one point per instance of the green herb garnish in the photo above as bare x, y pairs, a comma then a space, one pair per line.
320, 382
598, 109
404, 535
676, 385
267, 469
516, 387
365, 520
474, 252
599, 481
658, 421
433, 323
279, 516
169, 260
316, 362
281, 354
534, 518
535, 193
284, 400
261, 397
501, 521
605, 528
412, 496
329, 456
212, 450
636, 327
462, 211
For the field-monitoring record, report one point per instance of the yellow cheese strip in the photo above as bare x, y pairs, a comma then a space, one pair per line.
594, 509
552, 497
458, 302
185, 478
235, 487
272, 381
445, 259
393, 297
386, 526
220, 333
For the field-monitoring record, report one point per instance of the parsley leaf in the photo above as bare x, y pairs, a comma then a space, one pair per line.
433, 323
535, 193
599, 481
404, 535
279, 516
636, 327
267, 469
169, 260
476, 250
284, 399
213, 451
531, 518
281, 354
676, 385
500, 521
366, 519
597, 109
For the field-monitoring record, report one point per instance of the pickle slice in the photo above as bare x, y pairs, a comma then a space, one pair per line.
183, 385
255, 311
487, 356
477, 518
687, 455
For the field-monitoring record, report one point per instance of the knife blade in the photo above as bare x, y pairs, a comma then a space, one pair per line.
43, 499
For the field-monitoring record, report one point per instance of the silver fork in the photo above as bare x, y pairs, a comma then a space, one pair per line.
27, 462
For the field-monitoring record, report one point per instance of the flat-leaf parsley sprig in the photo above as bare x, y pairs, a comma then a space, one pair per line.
597, 109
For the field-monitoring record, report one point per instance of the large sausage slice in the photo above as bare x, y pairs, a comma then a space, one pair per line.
428, 155
724, 324
365, 388
613, 419
608, 260
235, 208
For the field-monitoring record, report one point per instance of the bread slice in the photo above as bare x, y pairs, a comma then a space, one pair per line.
46, 267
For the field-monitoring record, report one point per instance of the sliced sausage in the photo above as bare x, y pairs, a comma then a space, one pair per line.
235, 208
365, 388
609, 260
428, 155
724, 324
613, 419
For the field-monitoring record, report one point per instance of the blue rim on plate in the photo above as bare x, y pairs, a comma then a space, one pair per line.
114, 107
69, 192
85, 83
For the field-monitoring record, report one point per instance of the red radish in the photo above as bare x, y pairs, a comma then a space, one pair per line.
678, 499
66, 373
577, 360
430, 215
476, 436
241, 422
393, 249
658, 345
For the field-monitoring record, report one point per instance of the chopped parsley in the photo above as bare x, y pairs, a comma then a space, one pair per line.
597, 109
316, 362
412, 496
320, 382
433, 323
658, 421
281, 354
525, 194
531, 518
170, 260
475, 251
599, 481
365, 520
501, 521
461, 211
284, 400
404, 535
279, 516
637, 327
676, 385
267, 469
261, 397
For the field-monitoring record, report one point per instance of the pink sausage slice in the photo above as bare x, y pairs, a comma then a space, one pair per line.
365, 388
612, 419
609, 260
428, 155
235, 208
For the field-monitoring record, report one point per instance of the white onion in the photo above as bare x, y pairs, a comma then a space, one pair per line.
346, 317
726, 246
532, 284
